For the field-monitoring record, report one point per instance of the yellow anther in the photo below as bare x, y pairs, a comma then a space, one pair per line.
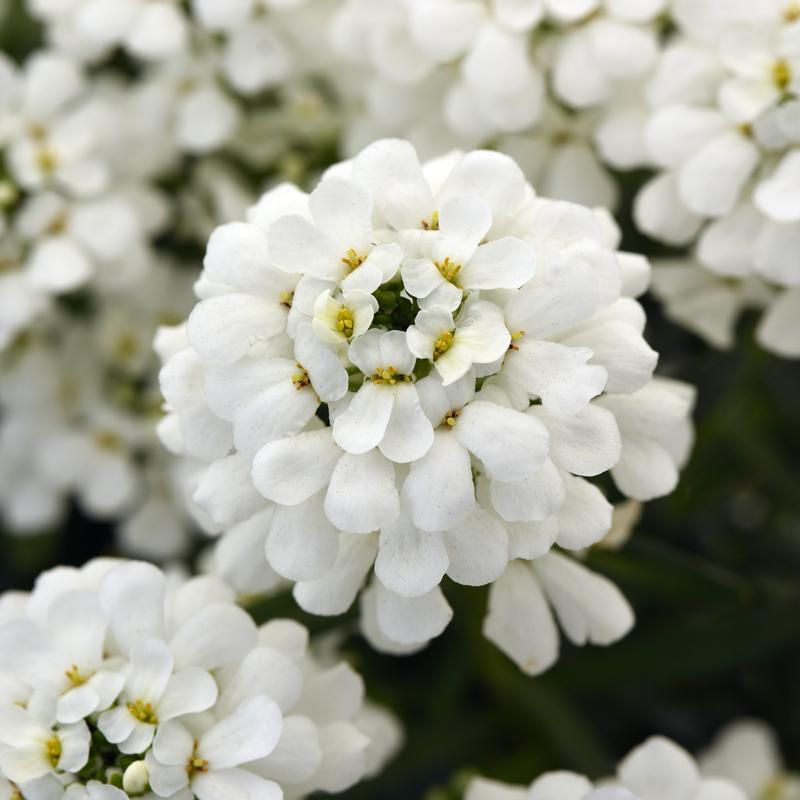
300, 379
127, 346
47, 160
107, 440
442, 344
433, 225
344, 321
781, 74
53, 748
746, 129
353, 260
450, 419
37, 132
515, 337
388, 375
144, 712
792, 12
287, 298
74, 676
58, 224
448, 269
196, 764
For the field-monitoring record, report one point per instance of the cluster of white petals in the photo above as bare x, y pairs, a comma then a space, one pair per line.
743, 763
720, 121
420, 368
118, 681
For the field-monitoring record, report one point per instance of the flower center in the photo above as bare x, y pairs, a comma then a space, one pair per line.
515, 337
353, 260
451, 417
447, 269
433, 225
75, 677
781, 74
286, 299
792, 12
47, 160
442, 344
300, 379
196, 764
144, 712
388, 376
53, 749
107, 440
344, 321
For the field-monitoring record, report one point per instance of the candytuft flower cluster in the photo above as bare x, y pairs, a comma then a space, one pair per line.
118, 681
743, 763
420, 368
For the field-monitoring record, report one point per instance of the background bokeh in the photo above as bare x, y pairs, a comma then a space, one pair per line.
713, 572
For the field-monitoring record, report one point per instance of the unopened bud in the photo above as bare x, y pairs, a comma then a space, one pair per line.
136, 778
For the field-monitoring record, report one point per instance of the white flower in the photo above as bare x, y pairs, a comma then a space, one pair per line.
458, 358
35, 747
658, 769
747, 752
209, 702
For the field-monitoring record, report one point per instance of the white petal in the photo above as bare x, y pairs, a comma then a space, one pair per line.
302, 544
509, 446
779, 195
336, 693
501, 264
709, 183
151, 668
189, 691
531, 499
412, 620
519, 621
362, 495
267, 671
297, 756
225, 492
660, 213
173, 743
225, 784
250, 732
559, 375
409, 434
586, 443
560, 786
410, 562
288, 471
57, 265
217, 634
477, 549
335, 593
362, 426
391, 171
225, 327
295, 245
439, 489
660, 770
779, 329
343, 212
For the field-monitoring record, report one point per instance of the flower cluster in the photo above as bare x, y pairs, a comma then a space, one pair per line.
420, 367
100, 213
722, 126
117, 681
742, 764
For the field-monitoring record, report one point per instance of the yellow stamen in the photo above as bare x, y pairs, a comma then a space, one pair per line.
746, 129
515, 337
792, 12
433, 225
196, 764
75, 677
144, 712
47, 160
127, 346
344, 321
782, 74
388, 375
300, 379
450, 419
353, 260
442, 344
286, 299
53, 747
448, 269
58, 224
107, 440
